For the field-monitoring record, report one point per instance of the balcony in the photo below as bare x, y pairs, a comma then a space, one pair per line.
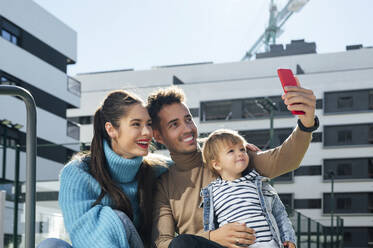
73, 86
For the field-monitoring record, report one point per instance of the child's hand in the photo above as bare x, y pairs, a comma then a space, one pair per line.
289, 244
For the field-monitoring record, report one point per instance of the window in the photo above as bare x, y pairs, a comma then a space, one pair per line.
203, 135
33, 45
346, 203
353, 134
357, 237
73, 130
86, 119
316, 137
370, 99
318, 103
370, 136
349, 168
249, 108
287, 200
9, 36
260, 138
6, 81
288, 177
216, 111
307, 203
344, 169
73, 86
345, 102
47, 196
344, 136
82, 119
261, 106
194, 112
310, 170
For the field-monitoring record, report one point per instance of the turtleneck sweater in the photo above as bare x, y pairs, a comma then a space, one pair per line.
177, 206
97, 226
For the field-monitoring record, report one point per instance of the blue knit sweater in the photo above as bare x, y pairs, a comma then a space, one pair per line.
98, 226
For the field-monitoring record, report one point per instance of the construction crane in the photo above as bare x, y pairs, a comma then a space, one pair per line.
276, 21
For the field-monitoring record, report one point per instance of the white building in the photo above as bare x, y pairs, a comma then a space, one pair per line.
223, 96
35, 49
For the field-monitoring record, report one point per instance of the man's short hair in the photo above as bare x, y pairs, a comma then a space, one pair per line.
215, 142
162, 97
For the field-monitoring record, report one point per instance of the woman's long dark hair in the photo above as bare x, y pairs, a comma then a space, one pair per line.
115, 106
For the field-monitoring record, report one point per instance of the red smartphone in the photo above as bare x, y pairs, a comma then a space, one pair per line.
287, 79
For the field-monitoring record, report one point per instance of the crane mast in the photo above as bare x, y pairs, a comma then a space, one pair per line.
276, 21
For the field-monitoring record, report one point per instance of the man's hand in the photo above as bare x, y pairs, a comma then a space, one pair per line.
252, 147
233, 234
289, 244
300, 99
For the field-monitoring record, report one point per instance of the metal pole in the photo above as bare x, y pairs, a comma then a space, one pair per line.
271, 131
5, 134
325, 237
16, 198
299, 229
318, 235
336, 233
30, 158
342, 233
309, 233
332, 210
2, 217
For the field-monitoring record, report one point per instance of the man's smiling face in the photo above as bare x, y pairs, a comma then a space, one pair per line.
176, 130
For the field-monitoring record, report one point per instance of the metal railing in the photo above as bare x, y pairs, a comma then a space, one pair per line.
73, 86
30, 158
312, 234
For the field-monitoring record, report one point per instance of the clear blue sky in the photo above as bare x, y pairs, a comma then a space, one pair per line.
139, 34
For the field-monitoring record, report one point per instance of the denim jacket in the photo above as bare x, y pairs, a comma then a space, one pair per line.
275, 213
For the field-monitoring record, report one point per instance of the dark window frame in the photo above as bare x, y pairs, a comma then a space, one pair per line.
364, 172
235, 109
312, 203
334, 102
344, 136
309, 170
287, 197
345, 102
35, 46
13, 38
349, 203
338, 135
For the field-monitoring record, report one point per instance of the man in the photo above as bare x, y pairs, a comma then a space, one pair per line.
178, 202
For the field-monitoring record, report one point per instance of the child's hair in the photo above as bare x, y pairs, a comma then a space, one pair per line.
215, 141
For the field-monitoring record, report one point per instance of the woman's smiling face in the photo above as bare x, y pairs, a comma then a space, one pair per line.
132, 137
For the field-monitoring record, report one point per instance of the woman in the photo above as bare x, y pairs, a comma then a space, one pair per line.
106, 195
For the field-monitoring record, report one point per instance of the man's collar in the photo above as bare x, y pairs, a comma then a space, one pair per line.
187, 161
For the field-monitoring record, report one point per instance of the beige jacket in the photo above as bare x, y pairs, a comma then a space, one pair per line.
177, 200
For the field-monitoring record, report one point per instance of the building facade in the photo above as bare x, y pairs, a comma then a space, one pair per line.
231, 96
35, 50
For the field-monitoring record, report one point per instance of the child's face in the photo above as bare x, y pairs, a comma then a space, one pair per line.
232, 161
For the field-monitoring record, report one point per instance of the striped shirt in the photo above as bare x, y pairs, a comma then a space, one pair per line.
238, 201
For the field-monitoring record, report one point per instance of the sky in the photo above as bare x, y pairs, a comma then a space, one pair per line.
140, 34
